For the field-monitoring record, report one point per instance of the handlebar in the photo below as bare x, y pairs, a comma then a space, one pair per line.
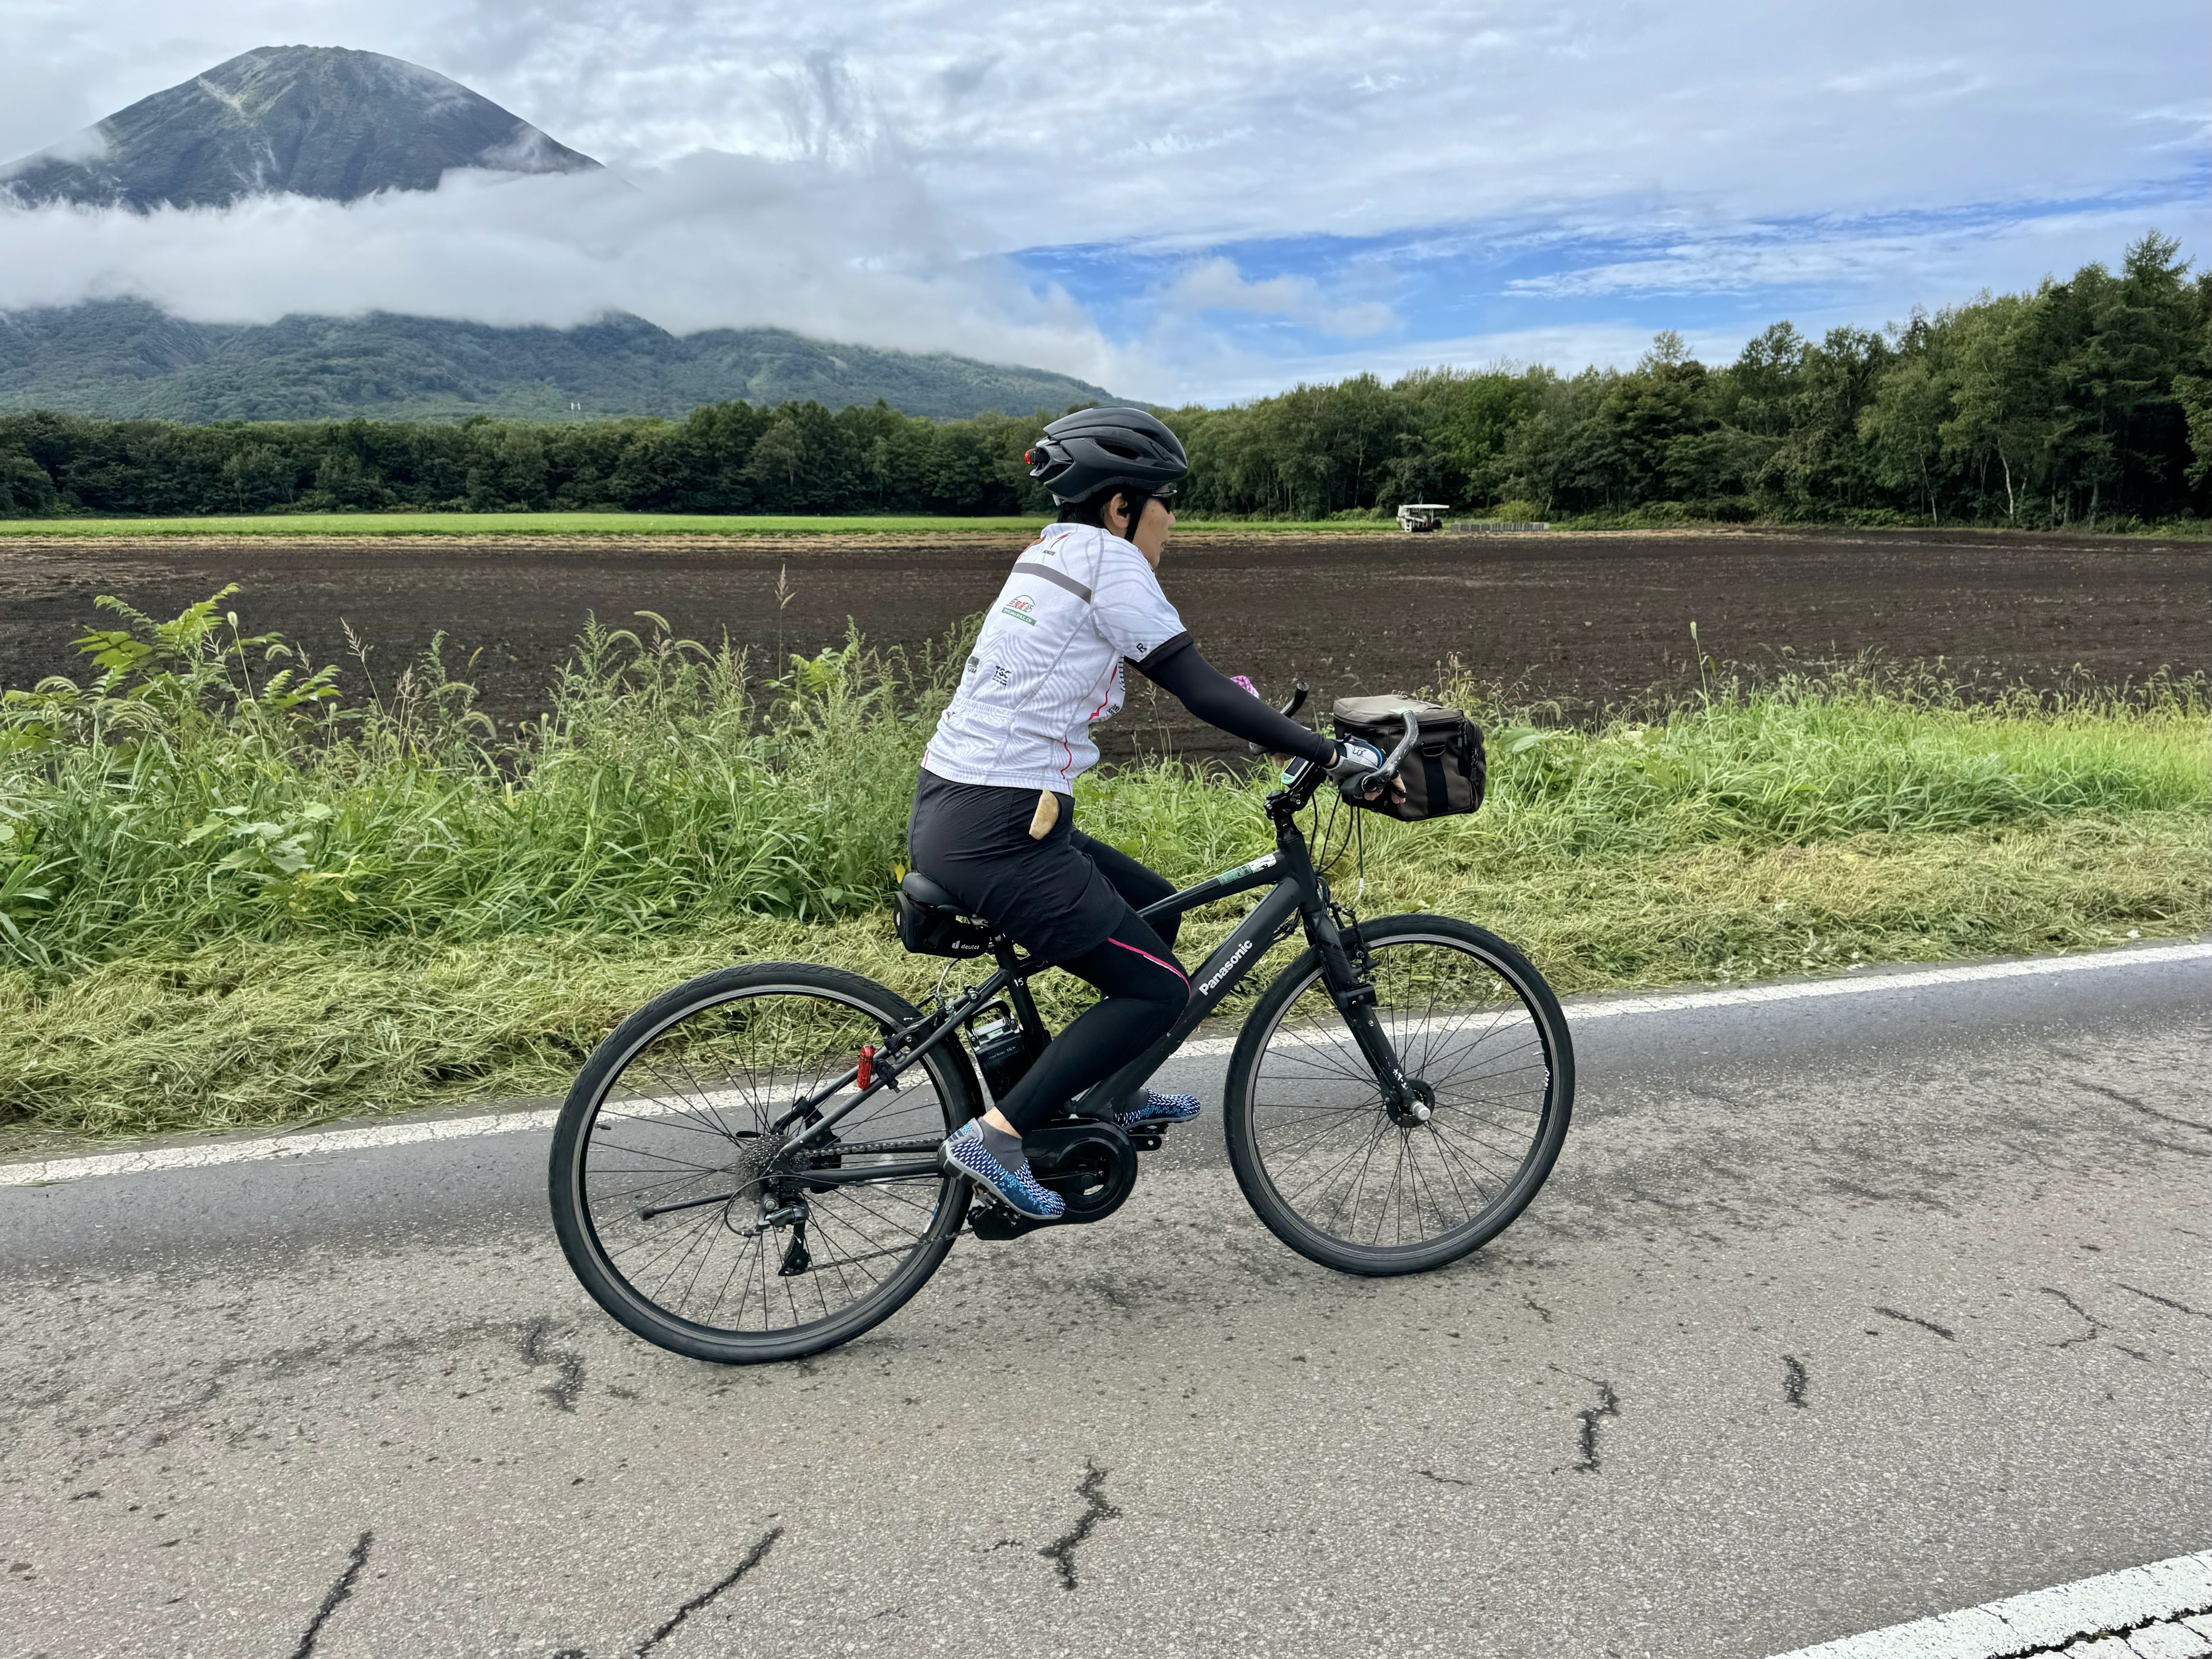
1381, 776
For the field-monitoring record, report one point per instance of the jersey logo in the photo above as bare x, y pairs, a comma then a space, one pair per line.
1001, 672
1020, 609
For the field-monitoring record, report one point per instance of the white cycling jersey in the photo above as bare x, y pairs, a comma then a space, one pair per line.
1048, 662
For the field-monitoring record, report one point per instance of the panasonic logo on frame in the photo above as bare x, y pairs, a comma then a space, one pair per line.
1206, 986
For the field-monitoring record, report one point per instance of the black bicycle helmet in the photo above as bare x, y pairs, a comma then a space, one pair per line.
1096, 449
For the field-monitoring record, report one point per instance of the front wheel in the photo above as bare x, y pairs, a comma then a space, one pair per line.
676, 1206
1332, 1171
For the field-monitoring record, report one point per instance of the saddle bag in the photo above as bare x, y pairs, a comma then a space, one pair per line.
930, 922
1442, 773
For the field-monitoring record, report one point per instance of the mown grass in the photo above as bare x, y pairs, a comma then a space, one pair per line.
229, 896
308, 526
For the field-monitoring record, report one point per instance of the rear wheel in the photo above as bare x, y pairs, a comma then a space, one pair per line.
1339, 1177
676, 1211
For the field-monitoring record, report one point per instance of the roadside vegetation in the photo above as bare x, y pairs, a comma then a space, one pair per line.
310, 526
2085, 403
236, 887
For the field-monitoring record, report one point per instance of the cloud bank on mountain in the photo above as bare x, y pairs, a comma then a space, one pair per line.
710, 241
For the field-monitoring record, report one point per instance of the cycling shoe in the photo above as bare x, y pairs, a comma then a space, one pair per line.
1159, 1109
1017, 1189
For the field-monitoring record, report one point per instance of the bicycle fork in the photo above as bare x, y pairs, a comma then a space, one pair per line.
1354, 997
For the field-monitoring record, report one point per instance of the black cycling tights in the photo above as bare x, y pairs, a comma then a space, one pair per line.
1145, 989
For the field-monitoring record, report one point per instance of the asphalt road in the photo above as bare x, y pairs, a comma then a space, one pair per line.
1836, 1313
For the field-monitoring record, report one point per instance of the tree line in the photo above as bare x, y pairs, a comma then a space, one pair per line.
2087, 401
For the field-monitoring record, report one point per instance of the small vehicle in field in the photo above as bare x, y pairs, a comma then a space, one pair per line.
1415, 517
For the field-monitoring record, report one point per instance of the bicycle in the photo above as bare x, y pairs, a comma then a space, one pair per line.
746, 1169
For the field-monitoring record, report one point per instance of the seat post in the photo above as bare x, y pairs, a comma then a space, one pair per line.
1025, 1008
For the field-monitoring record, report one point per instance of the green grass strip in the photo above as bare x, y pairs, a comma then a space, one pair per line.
226, 896
247, 1033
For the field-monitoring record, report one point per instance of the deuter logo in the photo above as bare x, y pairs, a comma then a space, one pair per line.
1206, 986
1020, 609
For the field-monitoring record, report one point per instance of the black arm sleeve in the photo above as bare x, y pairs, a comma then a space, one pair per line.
1220, 702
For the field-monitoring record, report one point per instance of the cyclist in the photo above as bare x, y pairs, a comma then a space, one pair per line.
992, 820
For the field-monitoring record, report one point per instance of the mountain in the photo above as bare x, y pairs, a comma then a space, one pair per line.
329, 122
313, 120
125, 358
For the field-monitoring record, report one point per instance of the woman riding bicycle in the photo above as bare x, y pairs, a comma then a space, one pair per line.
994, 815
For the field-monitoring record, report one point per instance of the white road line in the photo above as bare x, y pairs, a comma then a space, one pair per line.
147, 1160
2164, 1608
1581, 1012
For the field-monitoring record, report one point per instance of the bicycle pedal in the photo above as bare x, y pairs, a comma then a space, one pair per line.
997, 1223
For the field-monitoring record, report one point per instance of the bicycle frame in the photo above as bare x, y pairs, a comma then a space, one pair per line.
1297, 896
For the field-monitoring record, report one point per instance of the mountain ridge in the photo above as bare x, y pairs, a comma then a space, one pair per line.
323, 121
122, 359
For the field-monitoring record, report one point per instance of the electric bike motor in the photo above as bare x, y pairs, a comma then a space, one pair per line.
1003, 1053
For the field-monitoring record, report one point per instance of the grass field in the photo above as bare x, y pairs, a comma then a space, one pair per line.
310, 526
227, 898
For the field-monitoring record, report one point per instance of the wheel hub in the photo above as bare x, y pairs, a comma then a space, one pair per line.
1419, 1107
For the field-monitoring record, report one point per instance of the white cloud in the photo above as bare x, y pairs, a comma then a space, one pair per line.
711, 240
1217, 285
1250, 119
1939, 258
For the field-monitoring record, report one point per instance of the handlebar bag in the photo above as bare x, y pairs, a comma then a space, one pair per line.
1444, 770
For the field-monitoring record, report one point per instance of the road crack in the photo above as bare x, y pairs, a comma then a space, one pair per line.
1943, 1331
334, 1596
2081, 1313
2131, 1102
2166, 1302
1062, 1551
2079, 1639
1795, 1381
754, 1556
1445, 1479
567, 1382
1608, 1405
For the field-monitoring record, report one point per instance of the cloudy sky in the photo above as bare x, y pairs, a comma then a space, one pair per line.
1201, 200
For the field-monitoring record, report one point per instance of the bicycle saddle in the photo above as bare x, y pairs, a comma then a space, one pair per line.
923, 890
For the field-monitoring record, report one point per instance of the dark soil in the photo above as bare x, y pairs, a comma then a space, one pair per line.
1587, 622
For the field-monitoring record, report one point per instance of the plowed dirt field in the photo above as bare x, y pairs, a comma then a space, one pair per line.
1590, 622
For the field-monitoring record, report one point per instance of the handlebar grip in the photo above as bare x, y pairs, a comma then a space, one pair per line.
1298, 701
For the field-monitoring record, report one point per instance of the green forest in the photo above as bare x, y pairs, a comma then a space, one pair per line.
2088, 402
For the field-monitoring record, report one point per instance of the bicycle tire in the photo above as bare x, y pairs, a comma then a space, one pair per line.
1246, 1116
580, 1225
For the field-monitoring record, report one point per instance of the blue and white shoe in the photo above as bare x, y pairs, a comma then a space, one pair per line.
965, 1153
1159, 1109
